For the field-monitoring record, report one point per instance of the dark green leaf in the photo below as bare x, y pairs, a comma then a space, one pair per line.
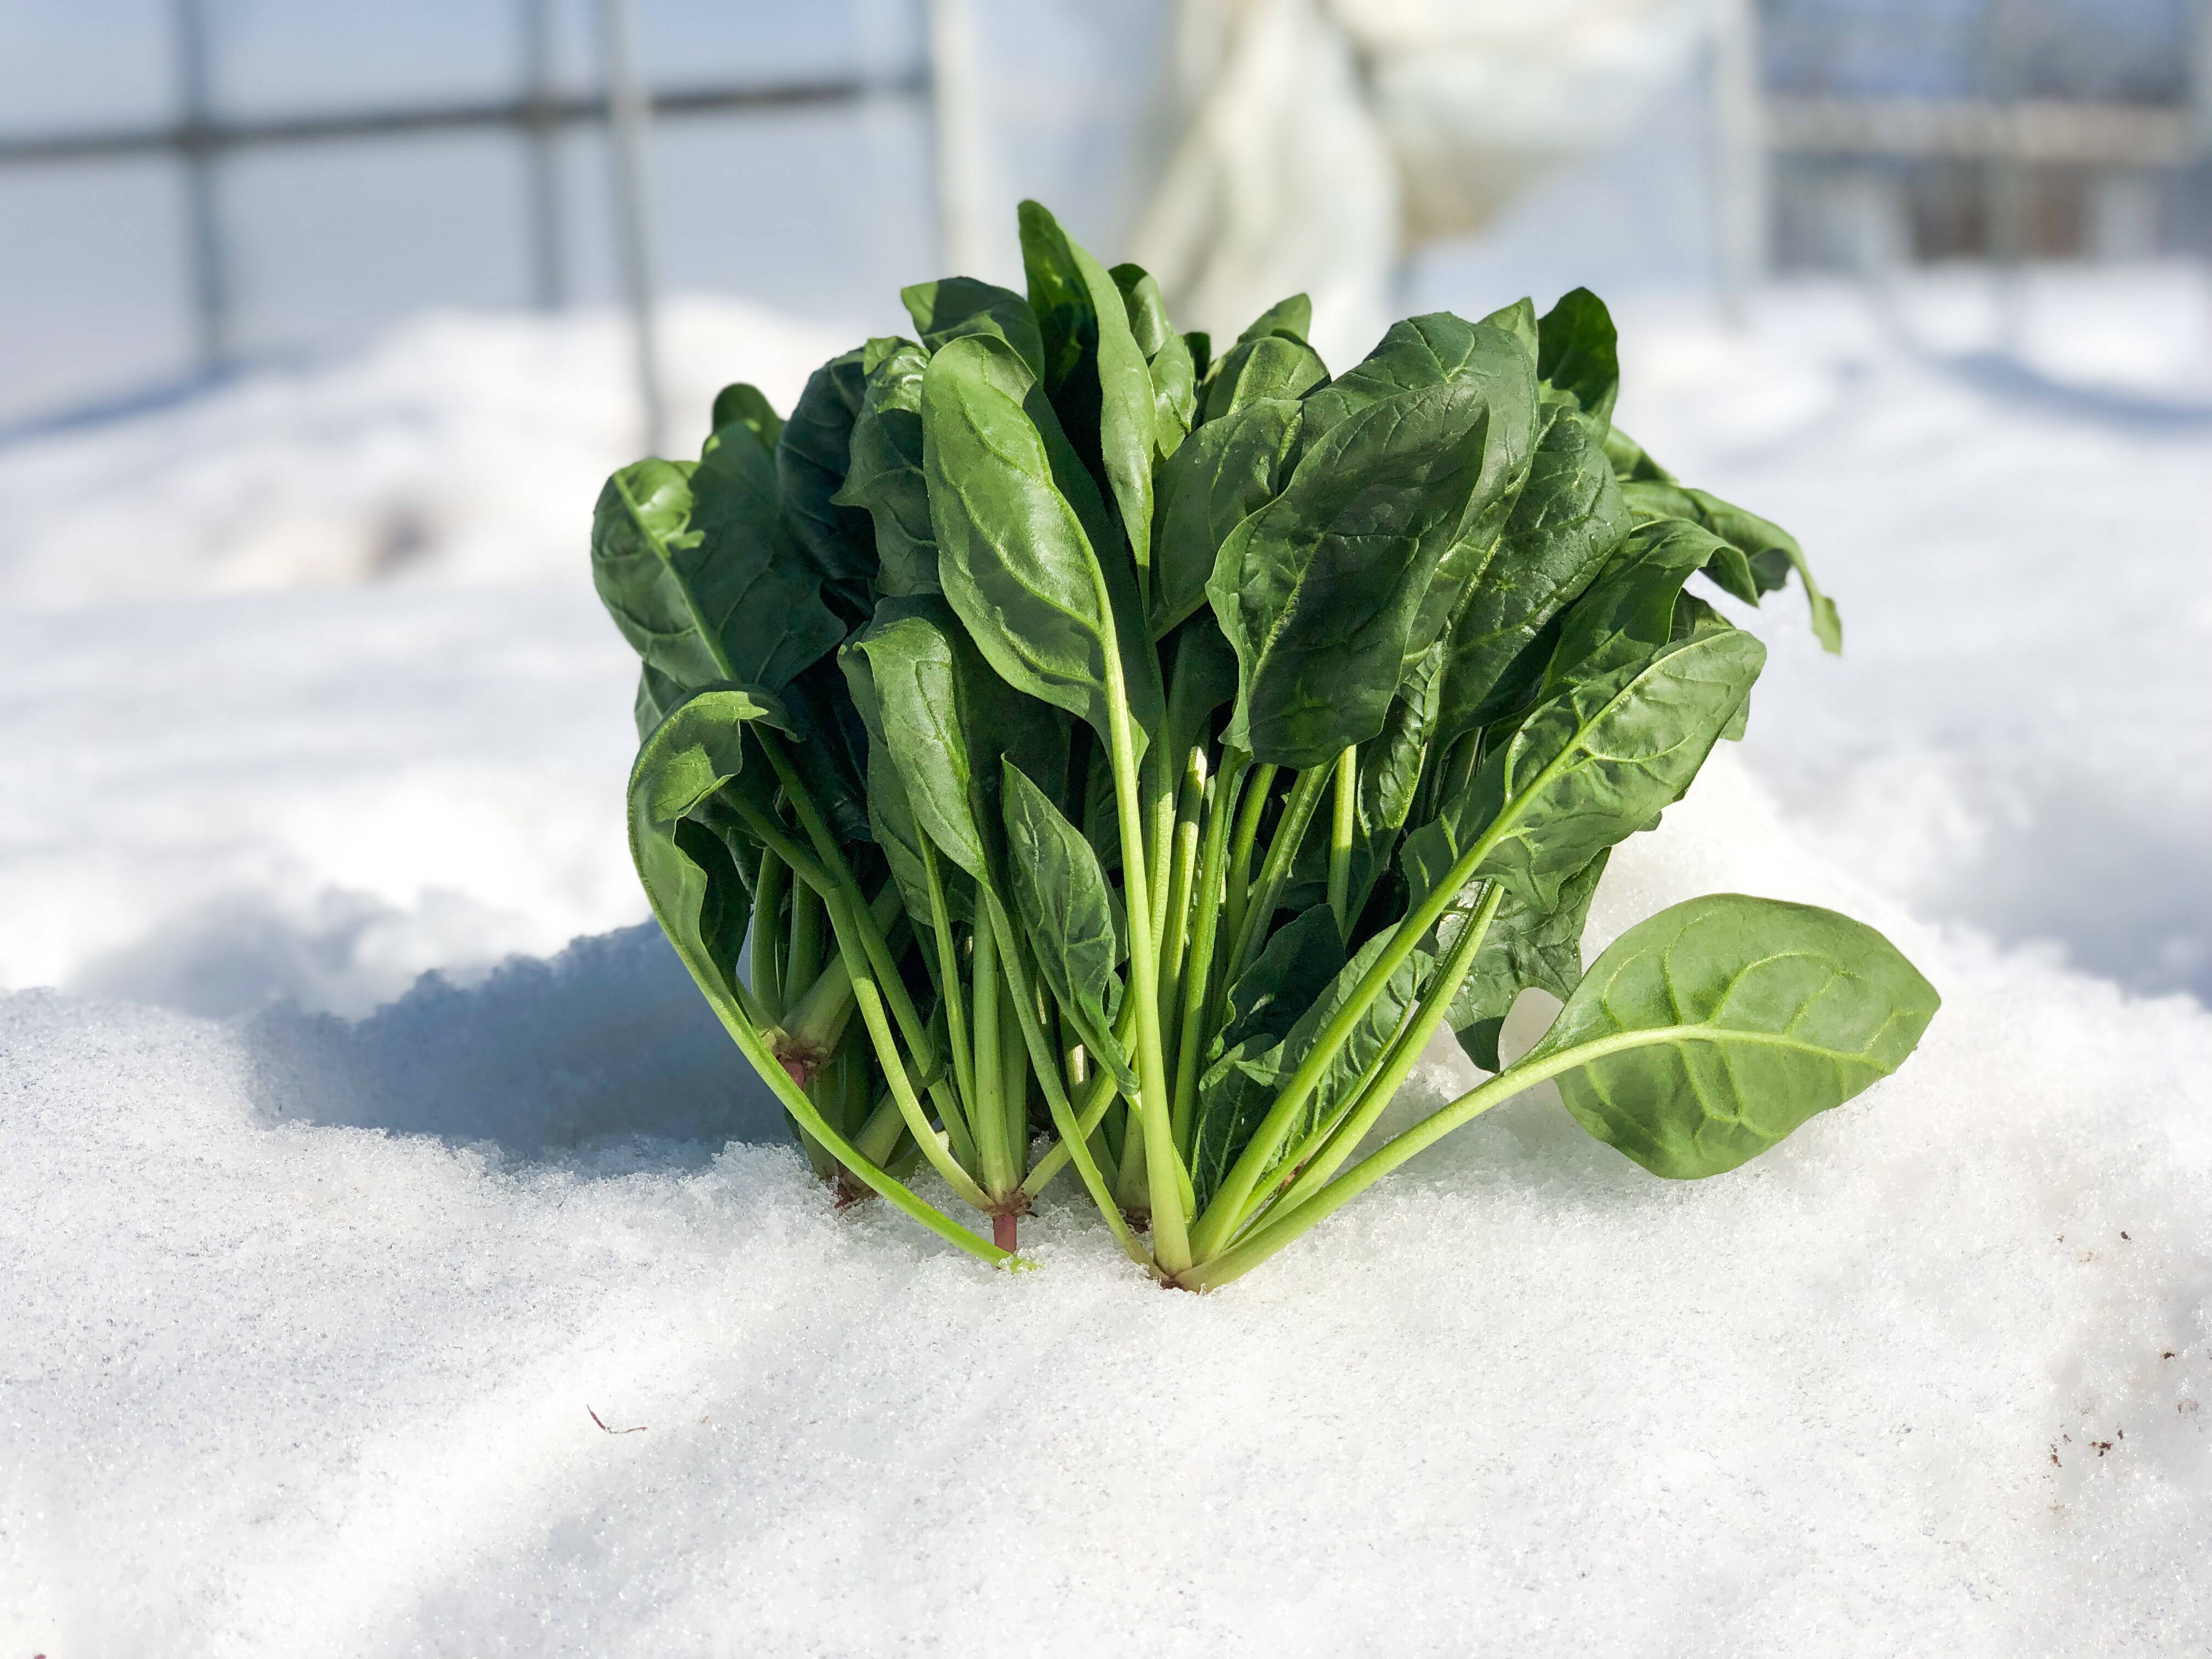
1430, 351
1104, 389
956, 306
830, 747
1319, 589
1272, 366
884, 476
1518, 319
694, 884
1629, 612
1232, 1110
1067, 914
1224, 471
1759, 554
1563, 527
933, 704
744, 404
1590, 767
1578, 353
811, 457
1525, 949
1015, 545
1290, 318
693, 562
1758, 1013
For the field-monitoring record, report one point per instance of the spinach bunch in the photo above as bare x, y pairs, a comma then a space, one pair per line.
1154, 750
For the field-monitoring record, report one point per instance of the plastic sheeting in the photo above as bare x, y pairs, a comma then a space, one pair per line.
1316, 142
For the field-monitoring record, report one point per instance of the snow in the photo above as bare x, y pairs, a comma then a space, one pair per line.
316, 1280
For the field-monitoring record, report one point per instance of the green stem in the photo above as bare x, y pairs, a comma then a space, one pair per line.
1097, 1100
1339, 838
954, 1002
768, 889
1073, 1134
803, 960
1170, 1228
988, 1109
793, 1100
1280, 1230
879, 1136
1013, 1077
1324, 1152
870, 1002
1240, 856
1174, 943
1267, 892
1223, 1214
1195, 1029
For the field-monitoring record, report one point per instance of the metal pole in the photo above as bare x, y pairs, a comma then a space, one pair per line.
203, 221
549, 279
1740, 187
626, 131
956, 107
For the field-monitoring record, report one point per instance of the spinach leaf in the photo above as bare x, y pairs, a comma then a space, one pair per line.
1167, 356
694, 564
694, 886
1067, 914
1758, 555
945, 720
1291, 319
1318, 590
1016, 555
884, 476
1759, 1014
812, 455
1629, 612
1578, 353
1590, 767
1562, 528
745, 405
1271, 366
954, 307
1106, 391
1523, 949
1223, 472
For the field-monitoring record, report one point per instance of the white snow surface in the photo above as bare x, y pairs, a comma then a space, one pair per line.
314, 1280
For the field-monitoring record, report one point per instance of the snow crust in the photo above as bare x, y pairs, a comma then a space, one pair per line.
1902, 1386
316, 1270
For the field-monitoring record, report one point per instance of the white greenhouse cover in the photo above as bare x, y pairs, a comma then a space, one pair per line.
1317, 141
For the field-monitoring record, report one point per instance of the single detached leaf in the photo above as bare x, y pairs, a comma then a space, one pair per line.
955, 306
1563, 527
945, 719
694, 564
1590, 767
1066, 912
884, 476
1223, 472
1319, 589
1756, 1015
811, 457
1578, 353
1015, 554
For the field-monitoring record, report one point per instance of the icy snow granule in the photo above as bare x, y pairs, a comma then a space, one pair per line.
1902, 1386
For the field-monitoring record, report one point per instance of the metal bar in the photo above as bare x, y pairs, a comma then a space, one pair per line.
558, 110
202, 218
548, 275
627, 114
2059, 132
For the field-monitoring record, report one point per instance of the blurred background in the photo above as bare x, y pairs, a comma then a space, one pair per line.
320, 326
